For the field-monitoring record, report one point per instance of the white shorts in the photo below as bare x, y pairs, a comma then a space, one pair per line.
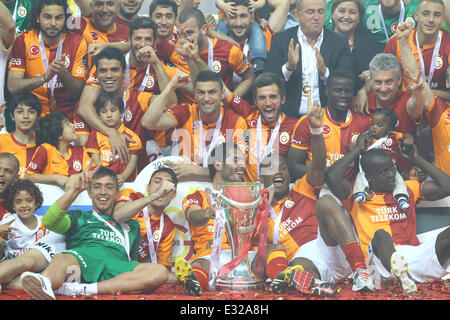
225, 257
51, 244
423, 264
329, 261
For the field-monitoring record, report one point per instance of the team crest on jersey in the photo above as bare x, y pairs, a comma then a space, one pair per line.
388, 142
237, 99
439, 62
195, 124
355, 137
66, 61
216, 67
128, 115
76, 165
326, 129
411, 21
126, 227
289, 204
94, 36
34, 50
157, 235
284, 137
150, 82
21, 11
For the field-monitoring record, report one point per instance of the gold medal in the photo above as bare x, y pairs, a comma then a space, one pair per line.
306, 88
52, 103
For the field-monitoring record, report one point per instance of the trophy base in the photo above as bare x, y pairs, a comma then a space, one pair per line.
239, 284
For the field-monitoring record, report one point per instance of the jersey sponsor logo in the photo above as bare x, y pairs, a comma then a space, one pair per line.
388, 214
34, 50
299, 142
15, 61
94, 36
79, 125
32, 165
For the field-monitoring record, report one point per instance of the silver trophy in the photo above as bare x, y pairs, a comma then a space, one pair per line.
240, 202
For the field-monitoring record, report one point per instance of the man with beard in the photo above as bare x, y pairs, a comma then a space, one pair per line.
270, 129
200, 126
129, 8
48, 60
213, 53
98, 246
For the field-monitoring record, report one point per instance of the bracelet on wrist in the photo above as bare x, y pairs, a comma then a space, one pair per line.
316, 131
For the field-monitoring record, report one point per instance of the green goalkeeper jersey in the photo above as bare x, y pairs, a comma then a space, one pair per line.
21, 12
372, 23
85, 230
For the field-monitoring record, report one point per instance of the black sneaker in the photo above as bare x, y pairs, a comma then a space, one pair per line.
258, 65
281, 282
184, 273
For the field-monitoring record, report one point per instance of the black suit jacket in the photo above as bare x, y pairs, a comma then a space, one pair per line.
335, 52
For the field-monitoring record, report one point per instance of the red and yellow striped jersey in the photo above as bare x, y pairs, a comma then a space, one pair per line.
166, 236
23, 152
47, 160
26, 57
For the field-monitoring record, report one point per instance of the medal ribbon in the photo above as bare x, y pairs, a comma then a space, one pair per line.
401, 17
437, 46
52, 81
277, 220
151, 244
205, 153
268, 148
127, 75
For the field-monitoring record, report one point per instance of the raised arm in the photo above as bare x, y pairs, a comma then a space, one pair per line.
335, 175
7, 26
277, 19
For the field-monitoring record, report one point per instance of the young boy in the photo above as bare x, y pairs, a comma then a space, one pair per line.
25, 111
56, 158
110, 108
382, 124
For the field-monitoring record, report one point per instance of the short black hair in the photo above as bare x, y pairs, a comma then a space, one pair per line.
10, 156
338, 74
111, 53
113, 97
23, 185
142, 22
168, 170
268, 78
50, 128
29, 99
165, 4
219, 154
389, 114
369, 156
38, 5
106, 172
208, 75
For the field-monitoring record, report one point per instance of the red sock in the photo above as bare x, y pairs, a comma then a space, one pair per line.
354, 255
202, 276
276, 262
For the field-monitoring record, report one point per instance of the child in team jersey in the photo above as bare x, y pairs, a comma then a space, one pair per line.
56, 158
25, 110
382, 124
110, 109
21, 228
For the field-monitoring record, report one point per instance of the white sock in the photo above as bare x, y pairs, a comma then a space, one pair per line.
74, 288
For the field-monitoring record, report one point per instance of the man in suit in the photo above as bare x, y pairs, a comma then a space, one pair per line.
305, 55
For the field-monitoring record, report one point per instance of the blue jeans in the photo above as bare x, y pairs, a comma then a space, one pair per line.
256, 39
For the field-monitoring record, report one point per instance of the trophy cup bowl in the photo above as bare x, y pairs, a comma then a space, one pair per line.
240, 201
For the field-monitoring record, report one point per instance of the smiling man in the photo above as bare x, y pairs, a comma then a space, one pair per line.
48, 60
270, 129
103, 249
340, 126
201, 125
